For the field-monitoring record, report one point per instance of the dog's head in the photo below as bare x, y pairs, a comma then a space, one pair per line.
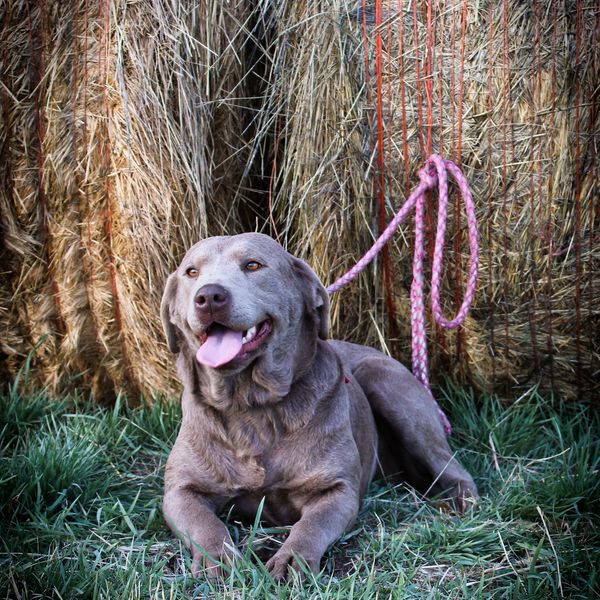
243, 302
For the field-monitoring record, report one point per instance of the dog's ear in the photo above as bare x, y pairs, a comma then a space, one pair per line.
315, 295
165, 312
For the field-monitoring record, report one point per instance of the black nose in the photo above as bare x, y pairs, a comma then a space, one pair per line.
211, 298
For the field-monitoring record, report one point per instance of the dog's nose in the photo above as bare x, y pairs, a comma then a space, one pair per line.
212, 298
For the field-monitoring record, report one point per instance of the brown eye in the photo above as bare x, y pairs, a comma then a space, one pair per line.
192, 272
252, 265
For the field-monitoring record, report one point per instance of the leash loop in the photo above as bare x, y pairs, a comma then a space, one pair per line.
434, 173
443, 167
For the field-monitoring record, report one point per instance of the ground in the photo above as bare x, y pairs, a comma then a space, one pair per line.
80, 510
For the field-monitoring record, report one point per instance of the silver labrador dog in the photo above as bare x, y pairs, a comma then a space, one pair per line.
272, 410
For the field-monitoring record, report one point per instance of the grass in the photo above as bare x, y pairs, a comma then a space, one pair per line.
80, 498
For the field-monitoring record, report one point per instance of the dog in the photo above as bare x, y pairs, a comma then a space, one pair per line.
274, 410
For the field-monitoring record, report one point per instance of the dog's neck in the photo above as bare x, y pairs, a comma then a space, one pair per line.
241, 414
278, 394
262, 386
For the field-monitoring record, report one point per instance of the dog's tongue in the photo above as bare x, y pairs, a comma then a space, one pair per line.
221, 346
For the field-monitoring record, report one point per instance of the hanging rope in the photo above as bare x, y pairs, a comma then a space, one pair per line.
433, 174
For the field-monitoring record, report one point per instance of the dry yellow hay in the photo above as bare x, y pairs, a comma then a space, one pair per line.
510, 90
129, 130
122, 144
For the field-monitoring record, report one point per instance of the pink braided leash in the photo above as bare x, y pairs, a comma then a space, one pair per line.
434, 173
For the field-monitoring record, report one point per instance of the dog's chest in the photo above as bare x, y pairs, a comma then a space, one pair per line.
243, 452
262, 458
243, 473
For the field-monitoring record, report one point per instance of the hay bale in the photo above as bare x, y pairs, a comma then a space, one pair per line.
506, 89
315, 129
122, 144
130, 130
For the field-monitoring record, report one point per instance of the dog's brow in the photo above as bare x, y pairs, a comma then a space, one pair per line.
197, 259
246, 253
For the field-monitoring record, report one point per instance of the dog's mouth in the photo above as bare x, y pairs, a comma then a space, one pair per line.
219, 345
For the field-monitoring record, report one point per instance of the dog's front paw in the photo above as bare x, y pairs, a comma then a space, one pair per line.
212, 564
288, 559
463, 495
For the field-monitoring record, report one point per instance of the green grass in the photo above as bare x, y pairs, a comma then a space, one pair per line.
80, 498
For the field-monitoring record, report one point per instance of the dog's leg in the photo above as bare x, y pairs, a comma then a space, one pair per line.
324, 518
411, 430
192, 517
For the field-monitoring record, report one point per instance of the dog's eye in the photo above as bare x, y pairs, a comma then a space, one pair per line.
192, 272
252, 265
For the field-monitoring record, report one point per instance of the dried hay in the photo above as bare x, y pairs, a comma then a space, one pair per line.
122, 145
315, 119
510, 91
129, 130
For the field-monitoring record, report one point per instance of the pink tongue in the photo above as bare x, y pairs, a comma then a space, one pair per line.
221, 346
